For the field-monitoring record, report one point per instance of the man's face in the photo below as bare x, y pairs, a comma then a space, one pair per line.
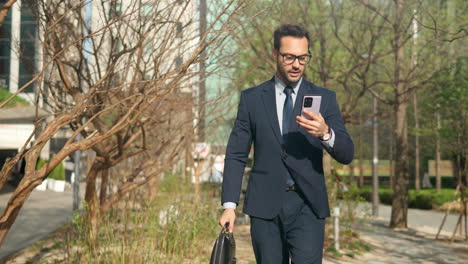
290, 73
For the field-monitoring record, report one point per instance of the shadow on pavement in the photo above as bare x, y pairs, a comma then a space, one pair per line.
410, 246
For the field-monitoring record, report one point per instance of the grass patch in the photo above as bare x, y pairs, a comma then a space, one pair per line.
171, 228
16, 101
335, 253
351, 249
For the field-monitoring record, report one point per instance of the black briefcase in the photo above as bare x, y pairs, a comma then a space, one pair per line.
224, 249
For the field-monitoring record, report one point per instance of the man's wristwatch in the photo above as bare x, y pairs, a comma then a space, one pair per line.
327, 135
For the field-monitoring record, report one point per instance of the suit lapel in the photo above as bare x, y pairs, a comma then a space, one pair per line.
269, 102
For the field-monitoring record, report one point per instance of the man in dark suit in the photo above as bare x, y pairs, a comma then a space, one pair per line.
286, 195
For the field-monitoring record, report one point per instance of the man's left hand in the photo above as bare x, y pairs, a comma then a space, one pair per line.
316, 126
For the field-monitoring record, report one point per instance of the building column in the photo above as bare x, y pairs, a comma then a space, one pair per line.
15, 46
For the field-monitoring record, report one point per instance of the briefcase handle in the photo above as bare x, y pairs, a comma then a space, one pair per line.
218, 252
226, 227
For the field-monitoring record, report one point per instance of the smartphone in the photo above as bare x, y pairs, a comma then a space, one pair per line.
311, 103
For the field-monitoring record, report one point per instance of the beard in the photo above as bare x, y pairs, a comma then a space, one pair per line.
291, 75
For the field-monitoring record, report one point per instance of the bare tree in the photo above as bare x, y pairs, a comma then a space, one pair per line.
126, 83
404, 78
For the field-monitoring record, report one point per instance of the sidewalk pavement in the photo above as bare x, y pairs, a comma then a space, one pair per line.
414, 245
410, 246
42, 213
417, 218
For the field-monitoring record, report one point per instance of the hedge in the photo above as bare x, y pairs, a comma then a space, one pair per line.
424, 199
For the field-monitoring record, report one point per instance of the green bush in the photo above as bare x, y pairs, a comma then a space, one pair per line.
420, 200
424, 199
58, 173
386, 196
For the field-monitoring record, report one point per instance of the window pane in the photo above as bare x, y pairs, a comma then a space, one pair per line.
5, 51
27, 47
4, 72
27, 14
28, 30
26, 74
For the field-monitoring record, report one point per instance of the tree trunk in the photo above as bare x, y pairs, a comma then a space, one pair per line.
399, 216
92, 202
465, 169
152, 188
392, 161
104, 184
414, 61
459, 165
401, 179
417, 178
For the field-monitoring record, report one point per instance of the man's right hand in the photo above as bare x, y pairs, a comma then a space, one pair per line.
228, 216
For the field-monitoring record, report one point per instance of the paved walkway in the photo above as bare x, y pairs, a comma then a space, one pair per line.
417, 218
406, 247
413, 245
43, 213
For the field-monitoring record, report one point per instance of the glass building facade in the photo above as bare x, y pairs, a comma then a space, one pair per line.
5, 51
19, 62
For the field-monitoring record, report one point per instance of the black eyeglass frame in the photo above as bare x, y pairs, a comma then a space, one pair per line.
308, 56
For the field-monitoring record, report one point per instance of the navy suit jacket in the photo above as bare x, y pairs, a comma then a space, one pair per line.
257, 122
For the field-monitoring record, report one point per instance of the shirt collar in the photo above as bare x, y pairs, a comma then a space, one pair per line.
280, 85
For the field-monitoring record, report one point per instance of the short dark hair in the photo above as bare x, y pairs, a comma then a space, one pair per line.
294, 30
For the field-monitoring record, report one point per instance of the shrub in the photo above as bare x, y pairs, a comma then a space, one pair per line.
420, 200
386, 196
58, 173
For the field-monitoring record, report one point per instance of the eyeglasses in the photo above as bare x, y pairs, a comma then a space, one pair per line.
290, 58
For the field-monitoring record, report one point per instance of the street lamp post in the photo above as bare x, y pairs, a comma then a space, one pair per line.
77, 178
375, 151
375, 163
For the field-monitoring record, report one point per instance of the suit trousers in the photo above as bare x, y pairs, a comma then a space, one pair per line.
296, 234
